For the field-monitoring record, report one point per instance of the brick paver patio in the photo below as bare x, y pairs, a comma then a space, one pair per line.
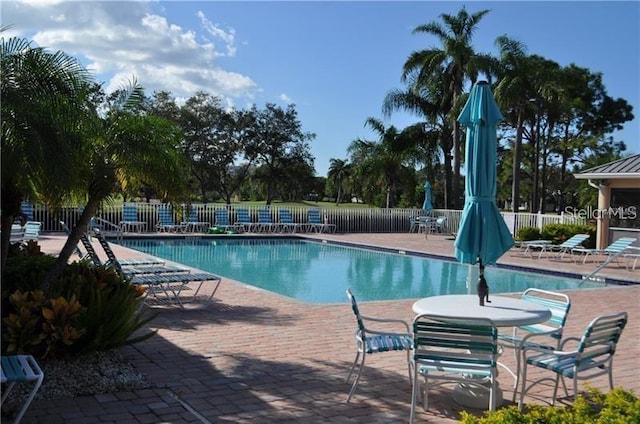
253, 356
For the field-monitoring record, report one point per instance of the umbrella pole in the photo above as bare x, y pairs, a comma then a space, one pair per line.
483, 287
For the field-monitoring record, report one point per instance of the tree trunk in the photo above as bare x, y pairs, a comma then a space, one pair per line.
71, 243
517, 158
455, 188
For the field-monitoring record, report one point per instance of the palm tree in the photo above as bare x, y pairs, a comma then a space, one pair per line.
338, 173
459, 62
44, 101
381, 163
513, 93
427, 101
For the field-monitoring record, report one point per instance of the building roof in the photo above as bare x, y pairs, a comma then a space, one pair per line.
628, 167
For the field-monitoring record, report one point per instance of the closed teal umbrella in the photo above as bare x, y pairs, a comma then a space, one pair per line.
427, 205
483, 236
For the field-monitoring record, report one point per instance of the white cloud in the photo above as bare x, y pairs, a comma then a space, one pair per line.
129, 40
286, 98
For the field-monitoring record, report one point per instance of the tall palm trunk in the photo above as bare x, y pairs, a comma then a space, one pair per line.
517, 158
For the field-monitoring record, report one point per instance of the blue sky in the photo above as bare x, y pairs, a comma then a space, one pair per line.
335, 60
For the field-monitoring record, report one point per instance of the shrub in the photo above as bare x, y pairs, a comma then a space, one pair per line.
618, 406
528, 233
559, 233
88, 309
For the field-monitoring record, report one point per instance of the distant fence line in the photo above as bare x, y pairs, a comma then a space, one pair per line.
346, 220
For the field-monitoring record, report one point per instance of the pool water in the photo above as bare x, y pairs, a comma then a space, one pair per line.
317, 272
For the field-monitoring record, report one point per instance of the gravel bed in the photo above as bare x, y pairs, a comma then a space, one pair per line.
84, 375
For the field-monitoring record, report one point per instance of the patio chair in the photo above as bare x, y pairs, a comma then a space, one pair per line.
130, 220
164, 284
612, 251
166, 222
193, 223
20, 369
380, 340
316, 224
17, 233
548, 333
592, 357
574, 242
26, 210
222, 220
32, 230
447, 350
243, 222
632, 257
286, 223
265, 223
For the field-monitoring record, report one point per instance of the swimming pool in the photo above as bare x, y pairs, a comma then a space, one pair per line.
318, 272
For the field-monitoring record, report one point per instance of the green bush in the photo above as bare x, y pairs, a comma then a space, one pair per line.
618, 406
528, 233
88, 309
559, 233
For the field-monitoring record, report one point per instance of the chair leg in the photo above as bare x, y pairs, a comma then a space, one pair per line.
357, 380
414, 395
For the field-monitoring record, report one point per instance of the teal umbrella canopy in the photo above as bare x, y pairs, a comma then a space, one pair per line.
482, 234
427, 205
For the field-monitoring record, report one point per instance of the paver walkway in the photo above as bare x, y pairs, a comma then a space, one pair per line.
254, 356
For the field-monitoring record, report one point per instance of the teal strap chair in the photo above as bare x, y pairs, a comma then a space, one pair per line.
243, 221
370, 341
592, 357
547, 334
450, 351
20, 369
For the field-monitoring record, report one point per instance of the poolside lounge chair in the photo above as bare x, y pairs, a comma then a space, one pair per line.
370, 340
316, 224
243, 222
192, 223
130, 219
548, 333
449, 351
223, 222
285, 221
574, 242
265, 223
612, 251
32, 230
164, 285
17, 233
166, 222
26, 209
592, 357
20, 369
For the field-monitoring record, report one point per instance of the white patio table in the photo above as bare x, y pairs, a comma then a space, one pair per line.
503, 311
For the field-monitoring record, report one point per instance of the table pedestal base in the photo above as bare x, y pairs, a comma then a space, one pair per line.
473, 396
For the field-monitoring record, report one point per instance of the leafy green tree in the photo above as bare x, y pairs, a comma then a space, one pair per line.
276, 139
338, 175
460, 64
43, 106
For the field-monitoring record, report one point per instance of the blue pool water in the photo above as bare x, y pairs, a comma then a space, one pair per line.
318, 272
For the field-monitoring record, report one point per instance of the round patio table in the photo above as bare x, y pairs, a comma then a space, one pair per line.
503, 311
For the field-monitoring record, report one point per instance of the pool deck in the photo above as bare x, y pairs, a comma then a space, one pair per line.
253, 356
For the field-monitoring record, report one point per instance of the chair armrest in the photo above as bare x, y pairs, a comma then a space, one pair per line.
388, 321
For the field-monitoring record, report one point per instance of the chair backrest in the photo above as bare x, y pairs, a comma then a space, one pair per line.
601, 337
314, 216
356, 311
17, 233
440, 339
27, 209
222, 217
243, 216
192, 214
574, 241
285, 216
264, 216
32, 230
129, 213
620, 244
165, 216
113, 261
91, 252
558, 303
